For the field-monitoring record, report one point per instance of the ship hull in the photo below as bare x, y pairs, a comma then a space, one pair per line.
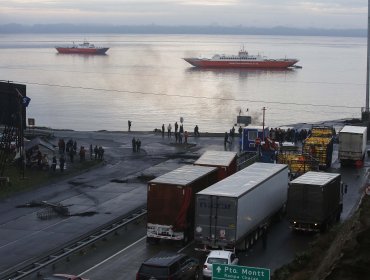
81, 50
263, 64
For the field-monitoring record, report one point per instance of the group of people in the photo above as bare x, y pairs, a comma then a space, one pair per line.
288, 135
69, 150
98, 152
181, 136
136, 144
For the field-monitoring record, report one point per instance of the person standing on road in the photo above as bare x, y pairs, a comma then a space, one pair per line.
71, 155
163, 130
169, 128
186, 135
96, 150
226, 138
133, 144
91, 152
176, 127
129, 125
196, 131
138, 144
61, 163
54, 164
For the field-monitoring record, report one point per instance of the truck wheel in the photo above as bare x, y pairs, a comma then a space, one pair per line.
337, 218
251, 241
256, 235
323, 227
246, 246
186, 239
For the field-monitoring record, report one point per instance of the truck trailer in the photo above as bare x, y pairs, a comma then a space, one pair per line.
314, 201
225, 161
170, 202
352, 144
233, 213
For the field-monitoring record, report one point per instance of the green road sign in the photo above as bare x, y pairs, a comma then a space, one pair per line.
236, 272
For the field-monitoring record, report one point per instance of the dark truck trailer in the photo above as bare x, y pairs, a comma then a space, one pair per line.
170, 202
314, 201
233, 213
225, 161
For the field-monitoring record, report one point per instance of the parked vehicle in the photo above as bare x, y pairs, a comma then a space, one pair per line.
170, 202
314, 201
64, 277
235, 212
320, 145
225, 161
352, 144
169, 266
218, 256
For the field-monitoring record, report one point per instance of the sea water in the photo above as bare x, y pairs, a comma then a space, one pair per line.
143, 78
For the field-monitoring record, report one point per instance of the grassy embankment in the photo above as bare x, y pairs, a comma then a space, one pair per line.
34, 177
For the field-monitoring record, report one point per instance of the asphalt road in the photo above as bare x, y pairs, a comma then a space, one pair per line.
114, 189
117, 188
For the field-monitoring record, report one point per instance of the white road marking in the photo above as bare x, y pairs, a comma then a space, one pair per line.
111, 257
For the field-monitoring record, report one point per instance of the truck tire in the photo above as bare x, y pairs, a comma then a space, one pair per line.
324, 227
337, 218
256, 235
186, 239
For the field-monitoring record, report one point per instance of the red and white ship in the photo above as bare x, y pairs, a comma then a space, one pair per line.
242, 60
84, 48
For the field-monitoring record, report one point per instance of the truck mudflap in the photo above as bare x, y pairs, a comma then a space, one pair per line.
163, 232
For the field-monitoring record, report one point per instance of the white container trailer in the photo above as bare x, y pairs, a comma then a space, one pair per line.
234, 212
352, 144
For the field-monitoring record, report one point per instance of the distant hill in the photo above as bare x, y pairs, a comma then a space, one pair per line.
161, 29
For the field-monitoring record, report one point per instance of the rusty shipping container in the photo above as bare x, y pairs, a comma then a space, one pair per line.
171, 199
225, 161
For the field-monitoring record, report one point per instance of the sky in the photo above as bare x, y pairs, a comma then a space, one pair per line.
328, 14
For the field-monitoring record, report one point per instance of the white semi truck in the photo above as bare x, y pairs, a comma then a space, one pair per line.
352, 144
233, 213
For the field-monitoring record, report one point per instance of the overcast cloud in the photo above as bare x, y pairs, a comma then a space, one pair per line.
338, 14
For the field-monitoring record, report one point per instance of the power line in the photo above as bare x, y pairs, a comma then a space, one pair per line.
190, 96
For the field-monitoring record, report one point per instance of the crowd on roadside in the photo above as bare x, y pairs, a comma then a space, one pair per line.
288, 135
66, 152
181, 136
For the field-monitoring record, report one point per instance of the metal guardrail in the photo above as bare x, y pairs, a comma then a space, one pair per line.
246, 158
33, 267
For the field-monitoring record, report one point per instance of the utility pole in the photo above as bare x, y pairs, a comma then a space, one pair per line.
263, 122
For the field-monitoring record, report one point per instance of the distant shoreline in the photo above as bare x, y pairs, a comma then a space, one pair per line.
299, 126
65, 28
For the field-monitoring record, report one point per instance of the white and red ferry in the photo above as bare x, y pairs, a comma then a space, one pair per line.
242, 60
84, 48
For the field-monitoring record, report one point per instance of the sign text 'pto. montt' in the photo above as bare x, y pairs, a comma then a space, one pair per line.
235, 272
